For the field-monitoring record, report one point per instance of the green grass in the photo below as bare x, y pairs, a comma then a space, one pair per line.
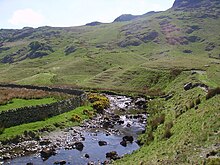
18, 103
62, 120
194, 131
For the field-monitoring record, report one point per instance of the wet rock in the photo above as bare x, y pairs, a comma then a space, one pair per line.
120, 122
87, 156
83, 138
107, 134
112, 155
116, 117
123, 143
140, 102
106, 118
128, 125
91, 163
6, 156
138, 116
60, 162
128, 138
106, 162
102, 143
47, 152
107, 124
187, 86
44, 142
79, 146
30, 163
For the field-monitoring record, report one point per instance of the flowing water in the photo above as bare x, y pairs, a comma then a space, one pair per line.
109, 128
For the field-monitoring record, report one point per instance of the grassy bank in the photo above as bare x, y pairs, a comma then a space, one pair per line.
19, 103
181, 130
50, 124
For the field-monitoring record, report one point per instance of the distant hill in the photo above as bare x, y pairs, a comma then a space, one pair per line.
95, 23
129, 17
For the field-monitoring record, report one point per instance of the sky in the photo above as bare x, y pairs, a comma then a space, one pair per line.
16, 14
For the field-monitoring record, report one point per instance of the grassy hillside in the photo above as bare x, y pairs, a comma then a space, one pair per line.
110, 55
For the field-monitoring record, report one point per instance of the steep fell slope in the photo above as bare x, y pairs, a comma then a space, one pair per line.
118, 55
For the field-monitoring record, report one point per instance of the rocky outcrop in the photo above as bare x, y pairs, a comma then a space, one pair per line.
129, 41
148, 36
35, 49
189, 86
70, 49
37, 54
195, 3
38, 49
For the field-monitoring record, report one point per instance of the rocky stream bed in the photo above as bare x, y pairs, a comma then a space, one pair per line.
99, 140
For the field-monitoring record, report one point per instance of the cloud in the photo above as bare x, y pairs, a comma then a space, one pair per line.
27, 17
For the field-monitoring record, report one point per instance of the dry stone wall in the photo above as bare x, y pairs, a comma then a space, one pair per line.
29, 114
45, 88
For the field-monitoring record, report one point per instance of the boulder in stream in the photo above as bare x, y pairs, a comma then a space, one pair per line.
62, 162
112, 155
78, 145
107, 124
30, 163
128, 138
123, 143
47, 152
87, 156
102, 143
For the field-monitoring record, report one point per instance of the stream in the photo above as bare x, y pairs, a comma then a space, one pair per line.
97, 141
